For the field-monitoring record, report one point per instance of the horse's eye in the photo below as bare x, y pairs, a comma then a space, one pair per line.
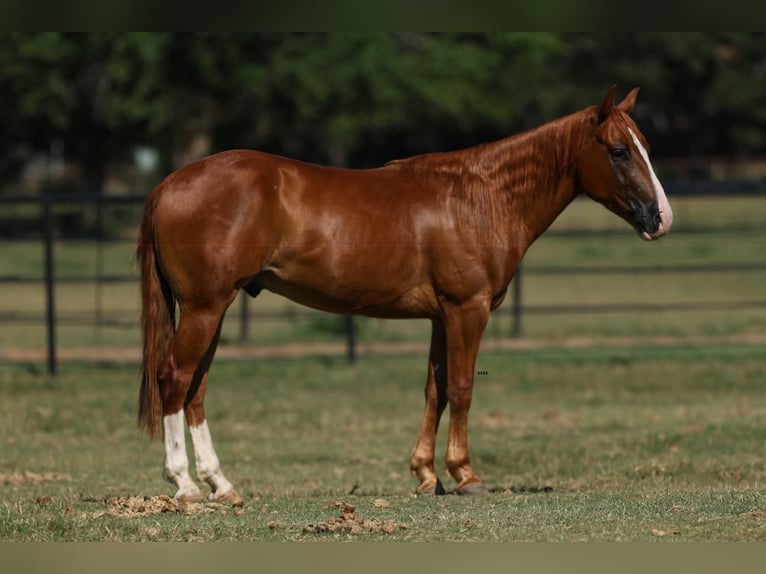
620, 153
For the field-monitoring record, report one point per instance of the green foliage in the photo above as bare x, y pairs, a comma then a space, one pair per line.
362, 99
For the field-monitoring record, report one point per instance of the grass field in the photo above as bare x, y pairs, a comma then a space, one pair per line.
653, 431
639, 444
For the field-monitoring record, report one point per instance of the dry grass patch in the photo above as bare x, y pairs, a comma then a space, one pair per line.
26, 477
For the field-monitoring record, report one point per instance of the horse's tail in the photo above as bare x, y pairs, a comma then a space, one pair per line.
157, 321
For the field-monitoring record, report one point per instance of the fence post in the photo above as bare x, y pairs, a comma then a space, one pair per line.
244, 320
50, 303
516, 303
98, 293
350, 339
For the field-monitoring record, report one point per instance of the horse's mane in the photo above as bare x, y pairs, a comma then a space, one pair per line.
488, 186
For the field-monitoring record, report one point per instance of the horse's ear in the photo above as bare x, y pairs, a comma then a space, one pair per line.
627, 104
606, 105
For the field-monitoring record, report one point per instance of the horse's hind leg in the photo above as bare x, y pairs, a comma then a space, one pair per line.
182, 382
206, 461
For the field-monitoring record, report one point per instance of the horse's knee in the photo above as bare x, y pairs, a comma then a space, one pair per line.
459, 395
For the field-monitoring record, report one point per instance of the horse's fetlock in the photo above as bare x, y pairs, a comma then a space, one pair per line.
205, 474
171, 473
456, 467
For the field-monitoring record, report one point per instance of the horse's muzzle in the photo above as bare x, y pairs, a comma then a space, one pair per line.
648, 220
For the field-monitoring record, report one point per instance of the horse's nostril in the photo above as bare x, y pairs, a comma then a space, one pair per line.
647, 217
656, 217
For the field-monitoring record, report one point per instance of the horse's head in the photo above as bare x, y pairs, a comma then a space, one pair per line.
614, 169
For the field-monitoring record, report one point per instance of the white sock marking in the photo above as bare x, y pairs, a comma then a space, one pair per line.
208, 466
666, 212
176, 462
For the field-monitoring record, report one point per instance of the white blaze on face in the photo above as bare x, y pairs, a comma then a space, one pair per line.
666, 212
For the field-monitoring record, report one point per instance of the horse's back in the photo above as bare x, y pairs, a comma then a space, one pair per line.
221, 176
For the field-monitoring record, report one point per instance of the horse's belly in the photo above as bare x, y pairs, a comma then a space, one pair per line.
338, 296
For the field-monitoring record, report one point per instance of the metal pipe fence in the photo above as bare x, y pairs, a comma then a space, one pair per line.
43, 229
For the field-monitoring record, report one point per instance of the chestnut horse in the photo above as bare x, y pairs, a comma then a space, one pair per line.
435, 236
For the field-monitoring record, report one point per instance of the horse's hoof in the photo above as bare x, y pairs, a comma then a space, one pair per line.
230, 497
435, 490
472, 488
188, 496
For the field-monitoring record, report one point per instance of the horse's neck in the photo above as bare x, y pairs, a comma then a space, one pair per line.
532, 176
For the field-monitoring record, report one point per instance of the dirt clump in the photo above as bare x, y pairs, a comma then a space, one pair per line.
349, 522
134, 506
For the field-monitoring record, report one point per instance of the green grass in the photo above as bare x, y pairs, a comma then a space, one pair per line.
639, 444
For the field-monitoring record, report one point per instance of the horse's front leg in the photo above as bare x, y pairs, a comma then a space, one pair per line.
422, 460
464, 327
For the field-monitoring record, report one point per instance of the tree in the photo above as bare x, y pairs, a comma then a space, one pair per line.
362, 99
91, 93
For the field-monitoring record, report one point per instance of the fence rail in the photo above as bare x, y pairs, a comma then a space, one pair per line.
47, 236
